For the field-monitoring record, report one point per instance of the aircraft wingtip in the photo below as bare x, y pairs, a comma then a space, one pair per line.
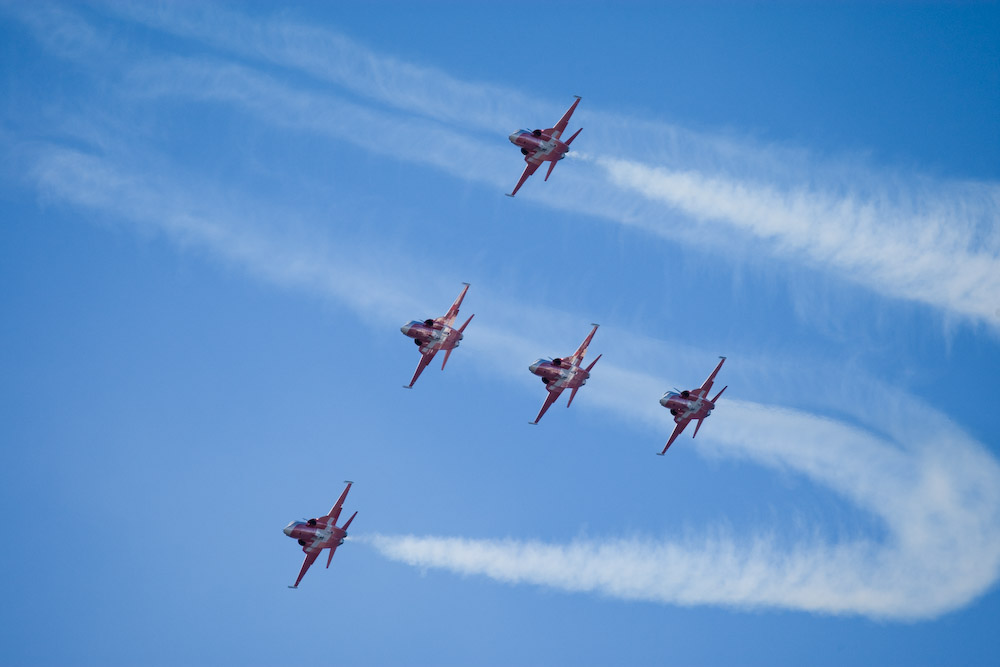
508, 194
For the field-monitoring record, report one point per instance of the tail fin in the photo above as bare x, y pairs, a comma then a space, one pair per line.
570, 140
720, 393
707, 384
580, 351
335, 512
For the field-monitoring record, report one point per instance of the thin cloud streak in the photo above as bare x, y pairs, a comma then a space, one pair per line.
904, 237
333, 57
929, 242
937, 492
940, 248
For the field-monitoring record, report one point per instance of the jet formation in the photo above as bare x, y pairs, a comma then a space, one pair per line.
558, 374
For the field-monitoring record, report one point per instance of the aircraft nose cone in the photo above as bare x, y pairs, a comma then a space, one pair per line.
405, 328
533, 367
513, 137
288, 530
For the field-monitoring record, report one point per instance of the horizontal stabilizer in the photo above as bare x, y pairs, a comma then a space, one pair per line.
551, 167
720, 394
572, 395
570, 140
594, 362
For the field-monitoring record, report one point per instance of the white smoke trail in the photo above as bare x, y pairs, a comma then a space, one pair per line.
933, 489
938, 498
902, 236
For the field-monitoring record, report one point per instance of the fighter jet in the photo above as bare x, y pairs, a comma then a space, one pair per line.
565, 373
315, 535
537, 146
436, 334
690, 404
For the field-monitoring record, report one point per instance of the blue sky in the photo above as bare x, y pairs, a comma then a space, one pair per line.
215, 219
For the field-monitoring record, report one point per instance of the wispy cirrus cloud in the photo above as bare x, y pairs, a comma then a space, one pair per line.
935, 491
903, 236
932, 488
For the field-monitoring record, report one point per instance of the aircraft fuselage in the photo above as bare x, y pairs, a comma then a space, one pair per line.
318, 536
561, 376
543, 146
435, 336
686, 407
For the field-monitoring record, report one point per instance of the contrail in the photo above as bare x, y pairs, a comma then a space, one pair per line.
903, 236
937, 497
935, 490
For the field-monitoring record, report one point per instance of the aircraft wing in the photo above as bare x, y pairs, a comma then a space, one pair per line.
707, 386
582, 350
310, 559
528, 171
453, 311
560, 127
673, 436
549, 400
335, 512
425, 358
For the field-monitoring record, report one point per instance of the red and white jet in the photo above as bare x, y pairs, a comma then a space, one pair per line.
537, 146
315, 535
687, 405
437, 334
565, 373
